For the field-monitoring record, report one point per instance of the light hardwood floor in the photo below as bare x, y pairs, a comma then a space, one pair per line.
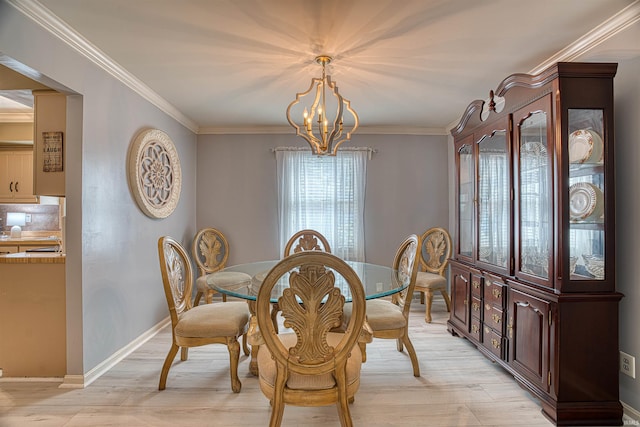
458, 387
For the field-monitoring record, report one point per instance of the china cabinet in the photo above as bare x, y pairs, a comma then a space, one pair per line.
533, 270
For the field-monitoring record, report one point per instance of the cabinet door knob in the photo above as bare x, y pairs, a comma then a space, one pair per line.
16, 186
11, 187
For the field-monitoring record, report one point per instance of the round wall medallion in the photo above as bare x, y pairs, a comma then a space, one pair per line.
155, 176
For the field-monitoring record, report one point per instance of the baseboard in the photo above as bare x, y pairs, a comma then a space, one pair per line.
631, 416
82, 381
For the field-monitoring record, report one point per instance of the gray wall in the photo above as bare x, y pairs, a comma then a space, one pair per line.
627, 128
407, 182
114, 291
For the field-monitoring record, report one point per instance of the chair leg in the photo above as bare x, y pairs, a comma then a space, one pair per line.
274, 316
412, 354
245, 347
184, 353
421, 297
224, 297
363, 350
399, 345
343, 401
196, 301
447, 301
234, 356
427, 316
209, 296
167, 365
277, 403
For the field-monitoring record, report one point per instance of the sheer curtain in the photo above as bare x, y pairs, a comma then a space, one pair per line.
326, 194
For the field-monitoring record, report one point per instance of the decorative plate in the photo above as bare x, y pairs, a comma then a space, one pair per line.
585, 146
155, 176
585, 201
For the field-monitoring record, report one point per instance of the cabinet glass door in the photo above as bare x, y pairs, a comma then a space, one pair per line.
586, 194
535, 197
465, 202
494, 198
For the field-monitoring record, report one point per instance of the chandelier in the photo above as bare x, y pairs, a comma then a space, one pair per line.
322, 129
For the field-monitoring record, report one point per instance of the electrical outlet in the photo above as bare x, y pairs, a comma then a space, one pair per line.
27, 218
627, 364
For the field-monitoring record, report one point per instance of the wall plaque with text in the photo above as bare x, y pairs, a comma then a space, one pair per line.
52, 151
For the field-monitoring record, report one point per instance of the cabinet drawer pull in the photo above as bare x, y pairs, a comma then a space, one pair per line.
475, 329
495, 343
497, 293
11, 187
476, 284
488, 307
16, 186
475, 306
496, 318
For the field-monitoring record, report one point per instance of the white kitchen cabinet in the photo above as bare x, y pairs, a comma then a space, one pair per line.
16, 177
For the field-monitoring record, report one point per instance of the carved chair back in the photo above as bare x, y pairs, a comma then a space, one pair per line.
210, 250
406, 264
435, 250
177, 276
312, 306
306, 240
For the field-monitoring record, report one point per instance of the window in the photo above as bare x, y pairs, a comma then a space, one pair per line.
326, 194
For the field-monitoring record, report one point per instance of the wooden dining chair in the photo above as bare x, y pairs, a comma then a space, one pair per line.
201, 325
390, 318
210, 250
434, 258
306, 240
311, 366
302, 241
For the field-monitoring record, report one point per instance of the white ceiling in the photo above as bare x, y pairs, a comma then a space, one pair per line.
410, 66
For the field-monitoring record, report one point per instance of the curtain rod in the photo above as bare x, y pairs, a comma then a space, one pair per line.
369, 149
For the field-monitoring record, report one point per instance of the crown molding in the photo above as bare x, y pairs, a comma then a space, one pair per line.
609, 28
286, 130
50, 22
16, 117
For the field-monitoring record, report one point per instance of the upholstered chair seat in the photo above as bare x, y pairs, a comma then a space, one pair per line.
268, 370
210, 321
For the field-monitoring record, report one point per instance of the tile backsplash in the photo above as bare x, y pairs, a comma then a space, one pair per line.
43, 217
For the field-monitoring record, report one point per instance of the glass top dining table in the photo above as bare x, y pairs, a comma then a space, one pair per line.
378, 281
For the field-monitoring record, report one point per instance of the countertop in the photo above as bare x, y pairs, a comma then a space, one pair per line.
33, 258
29, 241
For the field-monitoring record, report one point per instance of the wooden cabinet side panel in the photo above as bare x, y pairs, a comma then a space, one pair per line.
50, 115
32, 320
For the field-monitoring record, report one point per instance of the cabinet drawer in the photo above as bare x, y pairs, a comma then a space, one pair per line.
476, 285
8, 249
494, 292
494, 342
493, 317
476, 307
476, 329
